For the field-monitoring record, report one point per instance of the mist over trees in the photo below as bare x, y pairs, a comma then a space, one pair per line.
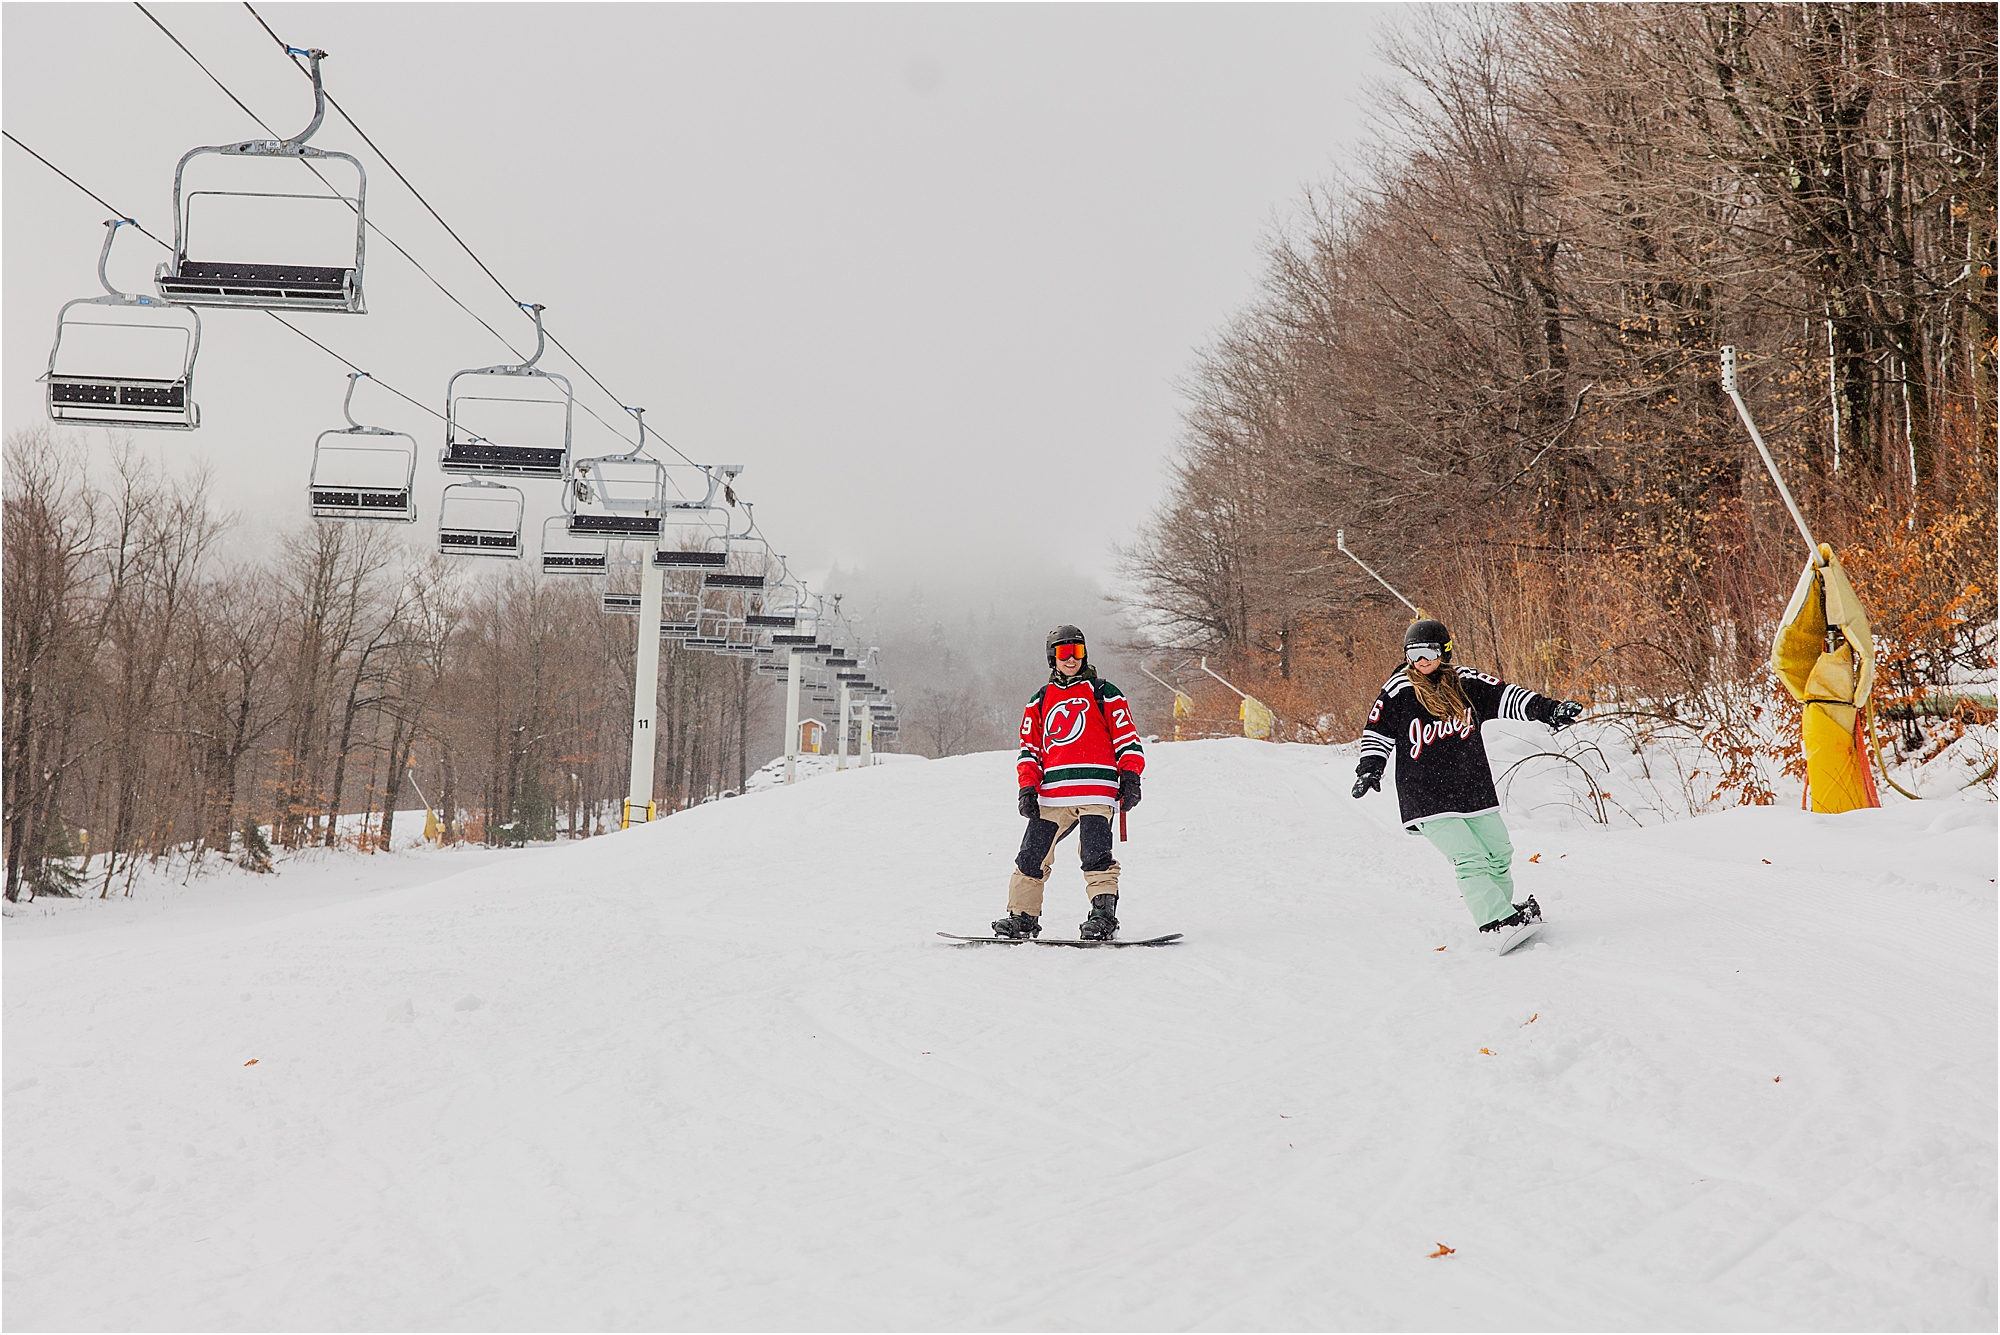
167, 694
1488, 352
964, 648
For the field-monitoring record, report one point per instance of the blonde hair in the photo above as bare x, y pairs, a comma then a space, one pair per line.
1443, 699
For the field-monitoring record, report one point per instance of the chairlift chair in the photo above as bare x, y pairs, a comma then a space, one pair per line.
262, 286
134, 371
566, 555
480, 518
617, 495
363, 472
484, 421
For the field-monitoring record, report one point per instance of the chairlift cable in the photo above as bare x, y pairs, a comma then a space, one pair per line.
116, 211
286, 47
416, 403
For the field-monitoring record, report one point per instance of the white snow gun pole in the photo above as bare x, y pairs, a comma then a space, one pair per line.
1340, 541
1245, 695
1728, 360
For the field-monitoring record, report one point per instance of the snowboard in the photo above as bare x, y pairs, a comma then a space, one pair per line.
1056, 941
1515, 937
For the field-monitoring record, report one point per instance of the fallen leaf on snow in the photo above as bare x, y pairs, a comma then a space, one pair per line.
1489, 1052
1442, 1251
1536, 858
1440, 947
1531, 1019
1776, 1078
1765, 861
251, 1062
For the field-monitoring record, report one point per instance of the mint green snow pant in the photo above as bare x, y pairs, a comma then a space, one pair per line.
1483, 855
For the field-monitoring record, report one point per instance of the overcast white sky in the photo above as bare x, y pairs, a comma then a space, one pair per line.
929, 271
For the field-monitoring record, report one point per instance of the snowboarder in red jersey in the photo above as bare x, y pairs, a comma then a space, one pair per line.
1080, 758
1428, 714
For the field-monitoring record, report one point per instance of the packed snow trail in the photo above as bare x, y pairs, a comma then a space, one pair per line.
718, 1073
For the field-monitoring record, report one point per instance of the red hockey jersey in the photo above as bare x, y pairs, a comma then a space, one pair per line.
1075, 739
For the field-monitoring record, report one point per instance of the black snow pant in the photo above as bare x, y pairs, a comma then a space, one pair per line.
1092, 825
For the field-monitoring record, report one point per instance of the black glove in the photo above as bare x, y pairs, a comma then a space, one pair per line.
1568, 712
1368, 774
1030, 804
1128, 790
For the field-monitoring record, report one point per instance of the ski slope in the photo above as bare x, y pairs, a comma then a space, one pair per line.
719, 1074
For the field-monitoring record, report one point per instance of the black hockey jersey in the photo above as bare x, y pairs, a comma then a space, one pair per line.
1441, 768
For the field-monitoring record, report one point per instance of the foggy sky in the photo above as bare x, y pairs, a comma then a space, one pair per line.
930, 272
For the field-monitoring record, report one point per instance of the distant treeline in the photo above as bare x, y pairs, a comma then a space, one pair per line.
160, 699
1489, 354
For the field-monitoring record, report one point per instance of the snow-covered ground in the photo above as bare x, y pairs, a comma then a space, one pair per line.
718, 1073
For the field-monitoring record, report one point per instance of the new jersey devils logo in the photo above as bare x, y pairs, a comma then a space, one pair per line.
1064, 722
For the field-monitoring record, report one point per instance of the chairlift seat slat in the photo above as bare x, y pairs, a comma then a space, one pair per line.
349, 503
108, 391
691, 560
728, 581
614, 526
582, 563
263, 286
484, 457
803, 641
480, 540
760, 619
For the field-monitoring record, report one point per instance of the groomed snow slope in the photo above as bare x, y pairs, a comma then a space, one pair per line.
718, 1073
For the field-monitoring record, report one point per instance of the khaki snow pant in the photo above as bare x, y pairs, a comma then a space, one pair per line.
1038, 849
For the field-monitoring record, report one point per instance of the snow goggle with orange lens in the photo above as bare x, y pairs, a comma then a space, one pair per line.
1064, 651
1417, 653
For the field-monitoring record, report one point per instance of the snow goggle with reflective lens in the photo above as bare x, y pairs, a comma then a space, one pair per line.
1417, 653
1069, 651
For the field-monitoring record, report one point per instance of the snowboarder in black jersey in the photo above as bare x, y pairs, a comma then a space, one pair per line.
1080, 755
1428, 714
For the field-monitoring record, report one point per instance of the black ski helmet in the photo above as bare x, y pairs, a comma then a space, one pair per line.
1429, 632
1062, 635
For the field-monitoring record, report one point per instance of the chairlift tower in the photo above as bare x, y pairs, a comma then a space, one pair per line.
646, 668
792, 673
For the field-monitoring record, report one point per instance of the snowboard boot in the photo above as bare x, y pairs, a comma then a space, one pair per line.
1102, 924
1019, 926
1522, 915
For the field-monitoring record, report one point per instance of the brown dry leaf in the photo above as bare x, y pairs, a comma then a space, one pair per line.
1442, 1251
1531, 1019
1489, 1052
1765, 861
1536, 858
1776, 1078
1440, 947
251, 1062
